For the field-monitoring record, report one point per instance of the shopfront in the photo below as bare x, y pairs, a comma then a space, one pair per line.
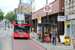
52, 17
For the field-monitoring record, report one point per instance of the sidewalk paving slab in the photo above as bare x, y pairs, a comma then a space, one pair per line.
50, 46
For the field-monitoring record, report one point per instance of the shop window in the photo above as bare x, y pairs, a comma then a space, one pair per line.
20, 11
25, 11
56, 21
51, 20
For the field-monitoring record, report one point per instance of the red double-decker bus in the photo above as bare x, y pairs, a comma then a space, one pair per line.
21, 26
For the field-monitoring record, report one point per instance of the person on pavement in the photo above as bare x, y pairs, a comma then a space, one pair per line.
54, 35
8, 24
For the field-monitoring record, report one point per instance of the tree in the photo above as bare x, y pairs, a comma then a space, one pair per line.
1, 14
10, 16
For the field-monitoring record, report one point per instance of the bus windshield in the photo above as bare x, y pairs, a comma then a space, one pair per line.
21, 29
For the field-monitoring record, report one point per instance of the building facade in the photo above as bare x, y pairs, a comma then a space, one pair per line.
38, 4
57, 10
70, 12
24, 8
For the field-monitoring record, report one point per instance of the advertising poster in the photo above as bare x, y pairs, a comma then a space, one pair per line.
20, 17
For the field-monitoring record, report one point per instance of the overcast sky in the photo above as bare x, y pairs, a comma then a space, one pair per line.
9, 5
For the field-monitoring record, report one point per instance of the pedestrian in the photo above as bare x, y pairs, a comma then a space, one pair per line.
8, 24
54, 35
50, 34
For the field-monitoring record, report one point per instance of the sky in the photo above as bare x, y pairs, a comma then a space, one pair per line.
9, 5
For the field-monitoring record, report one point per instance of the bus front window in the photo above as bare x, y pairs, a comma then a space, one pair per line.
21, 29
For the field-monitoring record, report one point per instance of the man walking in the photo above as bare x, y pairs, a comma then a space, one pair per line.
54, 35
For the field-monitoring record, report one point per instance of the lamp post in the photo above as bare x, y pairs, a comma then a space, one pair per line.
43, 24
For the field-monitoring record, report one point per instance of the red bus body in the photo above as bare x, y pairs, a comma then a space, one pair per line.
21, 35
21, 26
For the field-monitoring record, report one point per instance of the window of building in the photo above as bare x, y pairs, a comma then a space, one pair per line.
20, 11
51, 20
25, 7
20, 7
56, 21
25, 11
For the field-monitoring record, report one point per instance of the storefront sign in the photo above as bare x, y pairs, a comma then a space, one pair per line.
61, 18
72, 29
67, 22
48, 8
66, 17
39, 21
67, 40
39, 17
62, 38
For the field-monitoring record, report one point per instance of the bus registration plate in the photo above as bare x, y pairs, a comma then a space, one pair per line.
21, 36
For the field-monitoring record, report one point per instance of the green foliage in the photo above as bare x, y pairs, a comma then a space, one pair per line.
10, 16
1, 14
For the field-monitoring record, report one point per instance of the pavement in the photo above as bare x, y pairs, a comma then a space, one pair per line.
5, 39
50, 46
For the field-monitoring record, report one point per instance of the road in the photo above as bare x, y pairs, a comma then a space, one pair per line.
7, 42
25, 44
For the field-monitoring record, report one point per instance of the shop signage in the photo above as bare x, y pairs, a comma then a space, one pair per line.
67, 40
72, 29
66, 17
39, 19
48, 8
61, 18
67, 22
37, 15
62, 38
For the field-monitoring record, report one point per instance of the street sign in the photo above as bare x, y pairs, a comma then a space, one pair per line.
66, 17
67, 22
39, 17
72, 29
48, 8
61, 18
39, 20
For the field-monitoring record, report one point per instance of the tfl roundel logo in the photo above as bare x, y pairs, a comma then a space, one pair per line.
47, 8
